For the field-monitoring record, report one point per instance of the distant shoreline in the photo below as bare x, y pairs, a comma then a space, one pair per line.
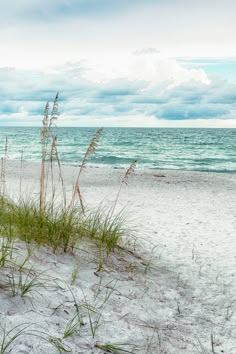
105, 176
123, 168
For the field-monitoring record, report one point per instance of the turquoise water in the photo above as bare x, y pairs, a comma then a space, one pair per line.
154, 148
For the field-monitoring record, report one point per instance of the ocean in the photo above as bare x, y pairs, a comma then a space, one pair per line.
154, 148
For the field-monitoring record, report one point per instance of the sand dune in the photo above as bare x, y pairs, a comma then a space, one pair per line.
174, 294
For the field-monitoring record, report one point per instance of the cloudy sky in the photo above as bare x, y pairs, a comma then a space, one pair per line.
119, 62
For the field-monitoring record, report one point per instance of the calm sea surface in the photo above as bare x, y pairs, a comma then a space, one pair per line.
154, 148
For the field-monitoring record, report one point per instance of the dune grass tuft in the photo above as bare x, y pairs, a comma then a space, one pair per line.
55, 227
60, 228
117, 348
44, 221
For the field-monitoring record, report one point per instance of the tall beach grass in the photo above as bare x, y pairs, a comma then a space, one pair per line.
60, 225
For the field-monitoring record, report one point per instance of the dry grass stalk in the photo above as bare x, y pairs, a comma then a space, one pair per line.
21, 170
80, 198
54, 113
46, 134
1, 176
3, 170
44, 137
129, 172
125, 179
55, 156
90, 150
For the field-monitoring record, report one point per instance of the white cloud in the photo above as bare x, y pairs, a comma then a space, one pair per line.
102, 83
141, 90
149, 66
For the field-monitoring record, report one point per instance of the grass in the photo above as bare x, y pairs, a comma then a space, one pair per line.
6, 250
55, 227
59, 345
96, 310
117, 348
48, 139
73, 326
106, 230
60, 228
3, 170
6, 232
90, 150
74, 274
8, 337
25, 281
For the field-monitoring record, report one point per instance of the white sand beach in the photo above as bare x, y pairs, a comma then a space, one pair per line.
173, 294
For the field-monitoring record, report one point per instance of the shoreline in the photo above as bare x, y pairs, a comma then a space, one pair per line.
125, 167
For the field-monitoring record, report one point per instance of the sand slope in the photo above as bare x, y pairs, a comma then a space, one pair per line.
178, 298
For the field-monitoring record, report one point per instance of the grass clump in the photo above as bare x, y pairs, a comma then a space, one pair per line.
113, 348
8, 337
24, 282
58, 227
6, 231
5, 214
6, 250
106, 230
73, 326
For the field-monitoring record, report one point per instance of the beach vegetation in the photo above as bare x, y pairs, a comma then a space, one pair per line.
56, 227
116, 348
75, 273
6, 250
73, 326
90, 150
60, 225
60, 346
24, 281
95, 311
3, 170
8, 337
106, 229
51, 220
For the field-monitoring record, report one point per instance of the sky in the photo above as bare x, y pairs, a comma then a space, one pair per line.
136, 63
